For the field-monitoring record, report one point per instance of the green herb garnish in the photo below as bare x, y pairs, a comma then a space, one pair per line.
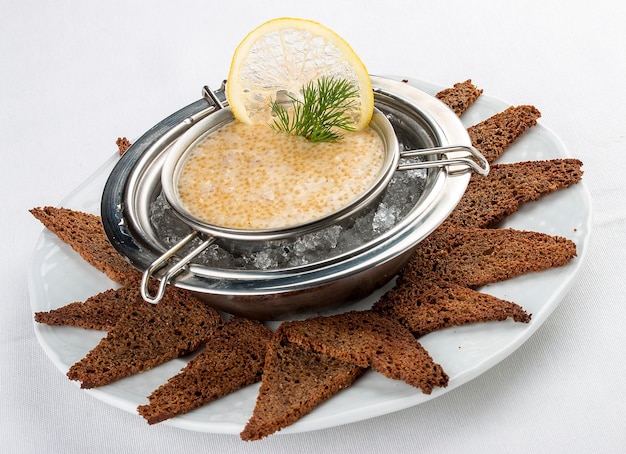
321, 112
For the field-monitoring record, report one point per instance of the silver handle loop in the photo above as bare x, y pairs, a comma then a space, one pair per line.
475, 161
172, 271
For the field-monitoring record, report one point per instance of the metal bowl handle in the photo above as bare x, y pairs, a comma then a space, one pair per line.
475, 160
173, 270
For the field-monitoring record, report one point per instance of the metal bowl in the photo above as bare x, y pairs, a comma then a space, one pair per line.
256, 238
416, 118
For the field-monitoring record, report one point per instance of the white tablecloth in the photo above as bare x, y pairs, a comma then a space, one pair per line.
76, 75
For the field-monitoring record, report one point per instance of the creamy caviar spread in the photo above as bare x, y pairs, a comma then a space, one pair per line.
253, 177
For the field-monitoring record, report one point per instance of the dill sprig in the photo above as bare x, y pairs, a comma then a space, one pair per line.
321, 112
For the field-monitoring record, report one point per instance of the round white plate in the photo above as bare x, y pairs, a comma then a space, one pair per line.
58, 276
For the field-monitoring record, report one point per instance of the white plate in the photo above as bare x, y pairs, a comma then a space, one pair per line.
58, 276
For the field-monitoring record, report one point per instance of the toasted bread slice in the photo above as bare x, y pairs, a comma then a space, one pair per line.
99, 312
474, 257
295, 381
494, 135
460, 96
146, 336
369, 339
123, 144
424, 306
232, 359
491, 198
85, 234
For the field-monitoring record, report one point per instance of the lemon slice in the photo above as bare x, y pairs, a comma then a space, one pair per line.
283, 55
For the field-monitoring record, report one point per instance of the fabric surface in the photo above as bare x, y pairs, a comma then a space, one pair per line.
75, 76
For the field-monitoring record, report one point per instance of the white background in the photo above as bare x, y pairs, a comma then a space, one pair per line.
74, 76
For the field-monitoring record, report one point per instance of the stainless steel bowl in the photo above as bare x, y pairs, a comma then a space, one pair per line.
185, 145
416, 118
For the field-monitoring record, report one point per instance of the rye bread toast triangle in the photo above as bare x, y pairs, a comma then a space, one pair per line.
295, 381
369, 339
491, 198
85, 234
493, 135
460, 96
231, 359
146, 336
424, 306
99, 312
473, 257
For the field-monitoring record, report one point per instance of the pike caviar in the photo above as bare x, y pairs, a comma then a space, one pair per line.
253, 177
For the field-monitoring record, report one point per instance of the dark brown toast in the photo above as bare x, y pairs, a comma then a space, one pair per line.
123, 144
474, 257
460, 96
491, 198
424, 306
85, 234
146, 336
494, 135
232, 359
99, 312
295, 381
369, 339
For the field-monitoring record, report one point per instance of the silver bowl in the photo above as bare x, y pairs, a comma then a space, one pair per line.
249, 238
441, 144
